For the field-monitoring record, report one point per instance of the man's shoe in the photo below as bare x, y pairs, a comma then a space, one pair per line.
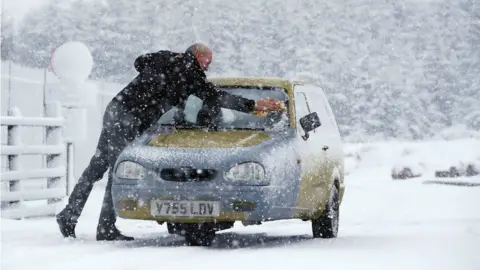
112, 234
67, 226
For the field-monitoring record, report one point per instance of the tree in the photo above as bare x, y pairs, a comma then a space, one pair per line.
42, 31
111, 30
6, 36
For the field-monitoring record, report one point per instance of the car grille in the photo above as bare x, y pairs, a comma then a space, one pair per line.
187, 174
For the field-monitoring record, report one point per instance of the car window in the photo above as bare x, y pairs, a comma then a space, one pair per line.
301, 104
330, 114
192, 107
320, 96
301, 107
231, 119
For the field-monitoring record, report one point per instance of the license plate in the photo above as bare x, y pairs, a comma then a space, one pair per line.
185, 208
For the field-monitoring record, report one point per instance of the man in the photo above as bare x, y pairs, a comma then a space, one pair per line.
165, 79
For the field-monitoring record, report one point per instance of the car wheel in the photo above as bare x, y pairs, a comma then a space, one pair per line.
199, 234
174, 228
171, 228
326, 226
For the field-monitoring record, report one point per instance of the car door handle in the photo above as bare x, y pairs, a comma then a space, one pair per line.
325, 148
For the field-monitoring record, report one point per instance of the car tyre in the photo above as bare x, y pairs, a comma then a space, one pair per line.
174, 228
171, 228
326, 226
199, 235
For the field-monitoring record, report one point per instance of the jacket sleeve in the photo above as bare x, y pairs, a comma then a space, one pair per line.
205, 90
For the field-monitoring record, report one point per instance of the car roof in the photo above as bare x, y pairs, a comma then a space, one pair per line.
257, 81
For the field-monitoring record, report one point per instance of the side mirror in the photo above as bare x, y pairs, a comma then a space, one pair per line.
309, 123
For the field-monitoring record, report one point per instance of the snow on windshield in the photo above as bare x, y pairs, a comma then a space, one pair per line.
231, 119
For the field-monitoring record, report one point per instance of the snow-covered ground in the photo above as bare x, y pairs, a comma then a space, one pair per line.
385, 224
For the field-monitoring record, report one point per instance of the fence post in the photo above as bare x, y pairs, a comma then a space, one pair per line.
70, 167
54, 136
14, 159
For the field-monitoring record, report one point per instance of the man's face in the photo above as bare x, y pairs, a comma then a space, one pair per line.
204, 59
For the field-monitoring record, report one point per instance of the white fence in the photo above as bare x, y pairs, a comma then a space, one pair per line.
24, 88
45, 187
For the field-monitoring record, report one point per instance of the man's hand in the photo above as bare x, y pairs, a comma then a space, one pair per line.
268, 104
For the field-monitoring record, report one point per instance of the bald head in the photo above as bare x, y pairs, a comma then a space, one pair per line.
202, 53
199, 48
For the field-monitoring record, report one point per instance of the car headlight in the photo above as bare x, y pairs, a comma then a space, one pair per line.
130, 170
251, 172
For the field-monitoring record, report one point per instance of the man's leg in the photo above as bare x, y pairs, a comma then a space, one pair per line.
122, 134
106, 229
68, 217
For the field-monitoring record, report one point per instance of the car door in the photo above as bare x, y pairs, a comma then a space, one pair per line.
329, 139
320, 143
305, 148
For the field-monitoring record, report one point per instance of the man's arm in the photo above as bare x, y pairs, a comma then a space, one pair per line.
205, 90
226, 100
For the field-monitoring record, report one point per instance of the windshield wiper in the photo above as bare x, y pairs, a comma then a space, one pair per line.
242, 128
212, 128
185, 126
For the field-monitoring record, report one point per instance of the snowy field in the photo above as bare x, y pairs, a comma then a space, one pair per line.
385, 224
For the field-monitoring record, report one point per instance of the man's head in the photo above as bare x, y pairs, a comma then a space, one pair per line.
202, 53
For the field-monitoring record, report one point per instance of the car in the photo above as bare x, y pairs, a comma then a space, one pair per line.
200, 169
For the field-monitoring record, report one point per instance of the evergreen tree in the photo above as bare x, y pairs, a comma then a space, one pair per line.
42, 31
6, 36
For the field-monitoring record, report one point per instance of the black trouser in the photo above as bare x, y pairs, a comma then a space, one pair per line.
119, 129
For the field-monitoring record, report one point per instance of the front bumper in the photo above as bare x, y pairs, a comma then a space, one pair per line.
238, 203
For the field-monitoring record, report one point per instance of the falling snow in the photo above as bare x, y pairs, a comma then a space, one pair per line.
403, 81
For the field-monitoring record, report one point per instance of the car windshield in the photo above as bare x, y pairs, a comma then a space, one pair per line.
193, 115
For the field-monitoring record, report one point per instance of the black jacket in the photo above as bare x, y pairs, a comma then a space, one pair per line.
167, 79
